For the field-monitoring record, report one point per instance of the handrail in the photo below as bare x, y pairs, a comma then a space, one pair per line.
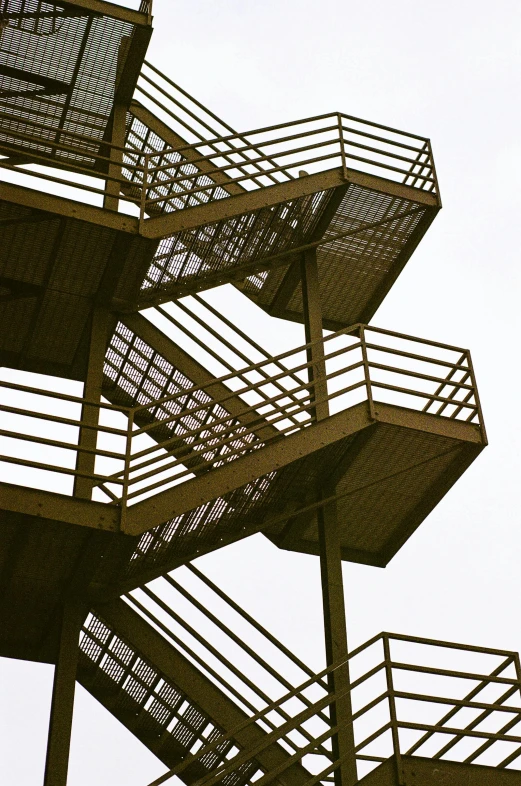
388, 704
272, 399
189, 174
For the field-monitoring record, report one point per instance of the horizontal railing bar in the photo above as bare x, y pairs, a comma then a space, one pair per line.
62, 132
234, 164
455, 366
62, 181
256, 366
227, 457
60, 470
419, 394
510, 654
208, 187
63, 396
459, 702
62, 445
415, 339
71, 164
65, 421
486, 735
465, 675
342, 332
279, 126
418, 375
386, 140
385, 128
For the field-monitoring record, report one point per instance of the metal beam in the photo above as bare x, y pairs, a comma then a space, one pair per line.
169, 223
57, 507
69, 208
199, 689
60, 724
119, 119
228, 477
105, 8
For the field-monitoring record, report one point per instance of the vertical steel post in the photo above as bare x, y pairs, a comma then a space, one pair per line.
335, 632
62, 706
85, 462
313, 328
113, 181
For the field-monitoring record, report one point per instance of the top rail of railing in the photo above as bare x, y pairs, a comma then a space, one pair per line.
278, 153
152, 446
409, 696
140, 179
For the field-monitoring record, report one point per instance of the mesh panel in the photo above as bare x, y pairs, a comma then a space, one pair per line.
149, 702
220, 247
69, 66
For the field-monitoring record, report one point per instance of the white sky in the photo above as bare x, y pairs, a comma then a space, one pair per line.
447, 70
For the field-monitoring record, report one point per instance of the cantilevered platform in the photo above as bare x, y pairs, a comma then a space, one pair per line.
182, 469
362, 194
417, 771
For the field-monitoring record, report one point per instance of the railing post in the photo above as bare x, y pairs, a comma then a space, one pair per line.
342, 146
392, 709
367, 374
476, 396
144, 186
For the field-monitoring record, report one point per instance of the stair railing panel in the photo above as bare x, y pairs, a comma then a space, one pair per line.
410, 696
361, 361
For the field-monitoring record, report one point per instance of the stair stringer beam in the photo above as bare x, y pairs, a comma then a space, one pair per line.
223, 711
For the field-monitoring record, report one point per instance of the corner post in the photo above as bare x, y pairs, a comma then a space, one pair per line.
62, 706
343, 745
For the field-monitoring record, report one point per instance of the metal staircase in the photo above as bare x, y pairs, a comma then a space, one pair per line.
168, 431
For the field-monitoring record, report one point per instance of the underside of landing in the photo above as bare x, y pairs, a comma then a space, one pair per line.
417, 771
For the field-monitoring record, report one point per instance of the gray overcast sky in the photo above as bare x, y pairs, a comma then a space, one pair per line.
447, 70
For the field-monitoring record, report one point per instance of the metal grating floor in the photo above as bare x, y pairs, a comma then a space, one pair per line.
355, 271
60, 70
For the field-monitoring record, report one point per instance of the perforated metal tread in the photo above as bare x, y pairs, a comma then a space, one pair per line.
63, 65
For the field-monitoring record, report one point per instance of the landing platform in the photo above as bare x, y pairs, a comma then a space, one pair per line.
417, 771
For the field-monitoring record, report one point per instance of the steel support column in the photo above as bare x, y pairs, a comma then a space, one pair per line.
335, 632
111, 198
90, 412
60, 723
